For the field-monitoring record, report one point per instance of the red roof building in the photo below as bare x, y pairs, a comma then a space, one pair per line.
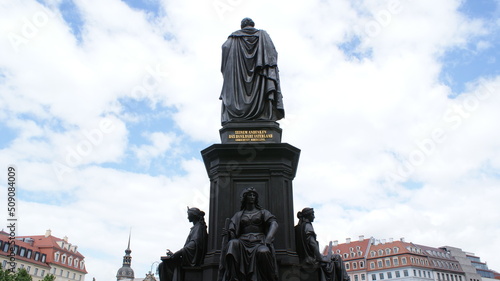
380, 260
43, 254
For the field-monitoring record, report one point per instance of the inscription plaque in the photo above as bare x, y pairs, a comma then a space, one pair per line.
255, 132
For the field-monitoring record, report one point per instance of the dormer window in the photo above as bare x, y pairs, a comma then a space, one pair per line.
63, 259
76, 263
82, 264
56, 257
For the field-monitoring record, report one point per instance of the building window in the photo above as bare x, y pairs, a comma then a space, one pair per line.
4, 264
67, 274
405, 273
380, 252
380, 264
35, 272
372, 265
56, 257
361, 264
420, 273
29, 253
5, 247
363, 277
388, 251
43, 272
37, 256
61, 272
356, 277
353, 255
354, 265
347, 266
346, 255
28, 268
74, 275
396, 250
388, 262
372, 253
403, 260
398, 274
374, 277
22, 266
395, 261
63, 259
381, 275
80, 278
389, 275
43, 258
53, 270
22, 252
360, 253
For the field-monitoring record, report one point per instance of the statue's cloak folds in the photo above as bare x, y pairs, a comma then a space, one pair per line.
251, 89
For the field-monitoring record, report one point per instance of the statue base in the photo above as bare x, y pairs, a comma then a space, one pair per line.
270, 169
250, 132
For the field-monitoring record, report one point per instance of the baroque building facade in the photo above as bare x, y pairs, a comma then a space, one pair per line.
397, 260
41, 255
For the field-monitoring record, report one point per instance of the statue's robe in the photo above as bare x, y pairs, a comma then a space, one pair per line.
251, 89
311, 258
192, 254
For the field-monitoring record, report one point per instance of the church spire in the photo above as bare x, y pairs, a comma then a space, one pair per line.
126, 272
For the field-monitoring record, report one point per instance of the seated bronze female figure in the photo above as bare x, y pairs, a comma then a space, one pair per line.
249, 253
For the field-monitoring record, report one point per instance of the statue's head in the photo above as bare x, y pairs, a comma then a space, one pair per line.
195, 214
245, 194
306, 214
247, 22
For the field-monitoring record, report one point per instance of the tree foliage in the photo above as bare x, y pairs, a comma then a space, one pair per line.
49, 277
20, 275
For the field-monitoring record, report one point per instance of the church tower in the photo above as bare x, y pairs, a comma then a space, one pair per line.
126, 273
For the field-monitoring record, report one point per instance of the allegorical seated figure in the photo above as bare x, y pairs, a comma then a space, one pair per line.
330, 268
249, 253
193, 252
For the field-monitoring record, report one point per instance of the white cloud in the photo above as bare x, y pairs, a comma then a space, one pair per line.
160, 143
356, 120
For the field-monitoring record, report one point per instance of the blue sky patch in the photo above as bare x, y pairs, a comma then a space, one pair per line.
72, 16
412, 185
151, 7
480, 57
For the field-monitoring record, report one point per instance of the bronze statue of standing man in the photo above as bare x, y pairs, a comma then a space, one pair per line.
251, 89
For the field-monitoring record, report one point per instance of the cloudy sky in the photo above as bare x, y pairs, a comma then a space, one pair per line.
106, 105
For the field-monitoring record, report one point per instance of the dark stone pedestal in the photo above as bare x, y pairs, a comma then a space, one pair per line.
269, 168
